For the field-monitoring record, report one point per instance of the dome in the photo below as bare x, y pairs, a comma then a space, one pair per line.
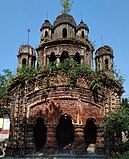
27, 49
46, 24
105, 50
64, 18
82, 25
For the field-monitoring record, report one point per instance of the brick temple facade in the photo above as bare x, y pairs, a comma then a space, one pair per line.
46, 114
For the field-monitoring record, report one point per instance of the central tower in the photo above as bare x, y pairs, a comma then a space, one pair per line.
64, 39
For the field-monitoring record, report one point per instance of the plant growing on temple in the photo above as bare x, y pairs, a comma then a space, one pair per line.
66, 4
26, 72
95, 79
70, 68
118, 77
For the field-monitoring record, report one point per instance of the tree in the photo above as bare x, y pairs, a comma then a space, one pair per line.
118, 121
4, 84
117, 124
125, 102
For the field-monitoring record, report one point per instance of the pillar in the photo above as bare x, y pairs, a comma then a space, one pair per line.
79, 146
100, 147
29, 139
51, 144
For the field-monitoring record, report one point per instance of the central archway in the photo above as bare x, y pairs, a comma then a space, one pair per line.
64, 56
40, 134
65, 133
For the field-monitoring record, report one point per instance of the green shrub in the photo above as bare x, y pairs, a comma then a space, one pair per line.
124, 156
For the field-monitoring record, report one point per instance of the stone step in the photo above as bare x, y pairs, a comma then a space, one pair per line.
68, 157
76, 157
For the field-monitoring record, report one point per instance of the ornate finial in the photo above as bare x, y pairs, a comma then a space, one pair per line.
66, 4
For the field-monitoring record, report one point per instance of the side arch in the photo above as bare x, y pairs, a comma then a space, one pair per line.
52, 57
39, 133
90, 131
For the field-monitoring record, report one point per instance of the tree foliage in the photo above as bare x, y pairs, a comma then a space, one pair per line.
125, 102
4, 110
4, 83
124, 156
118, 121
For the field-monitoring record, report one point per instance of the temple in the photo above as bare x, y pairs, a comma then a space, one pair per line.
47, 115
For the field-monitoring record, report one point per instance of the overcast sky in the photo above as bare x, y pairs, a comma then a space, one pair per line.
108, 19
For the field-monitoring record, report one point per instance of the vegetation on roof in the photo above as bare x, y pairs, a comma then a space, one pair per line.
66, 4
69, 67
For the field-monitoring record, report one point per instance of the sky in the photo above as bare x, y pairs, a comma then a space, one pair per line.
108, 21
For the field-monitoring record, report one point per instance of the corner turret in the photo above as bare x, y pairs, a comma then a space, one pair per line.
26, 56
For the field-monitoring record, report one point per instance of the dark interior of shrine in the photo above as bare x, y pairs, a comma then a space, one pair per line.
90, 131
40, 134
65, 132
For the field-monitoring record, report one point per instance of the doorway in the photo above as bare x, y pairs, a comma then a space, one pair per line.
90, 132
40, 134
65, 133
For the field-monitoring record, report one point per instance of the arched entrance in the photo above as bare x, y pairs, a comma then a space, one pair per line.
65, 133
52, 57
90, 132
64, 56
77, 58
40, 134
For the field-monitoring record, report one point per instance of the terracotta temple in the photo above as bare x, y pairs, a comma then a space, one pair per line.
46, 114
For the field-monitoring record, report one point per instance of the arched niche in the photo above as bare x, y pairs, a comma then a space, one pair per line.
40, 134
65, 132
24, 62
77, 58
64, 56
64, 33
106, 64
33, 61
82, 34
52, 57
46, 33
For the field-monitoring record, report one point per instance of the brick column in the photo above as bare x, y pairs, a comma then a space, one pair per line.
51, 144
100, 147
29, 138
79, 146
